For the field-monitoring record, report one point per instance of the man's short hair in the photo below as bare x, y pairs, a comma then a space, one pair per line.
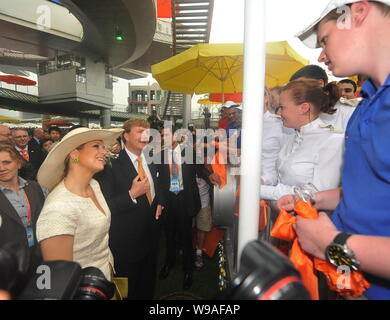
54, 128
137, 122
310, 72
350, 82
19, 129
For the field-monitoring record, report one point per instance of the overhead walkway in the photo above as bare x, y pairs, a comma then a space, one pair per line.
24, 102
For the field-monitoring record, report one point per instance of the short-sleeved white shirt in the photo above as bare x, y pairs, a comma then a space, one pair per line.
65, 213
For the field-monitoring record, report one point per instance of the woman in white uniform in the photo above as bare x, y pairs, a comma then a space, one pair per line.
272, 141
75, 219
314, 153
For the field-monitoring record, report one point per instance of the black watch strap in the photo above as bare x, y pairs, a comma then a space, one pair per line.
341, 238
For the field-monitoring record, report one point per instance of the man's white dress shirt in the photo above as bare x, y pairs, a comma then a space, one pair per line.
134, 160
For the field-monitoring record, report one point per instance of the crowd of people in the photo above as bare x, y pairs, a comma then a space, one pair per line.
66, 198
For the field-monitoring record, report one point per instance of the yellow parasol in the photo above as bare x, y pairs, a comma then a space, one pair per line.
9, 119
207, 68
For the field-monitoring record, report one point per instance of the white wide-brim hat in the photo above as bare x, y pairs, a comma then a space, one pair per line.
309, 35
53, 167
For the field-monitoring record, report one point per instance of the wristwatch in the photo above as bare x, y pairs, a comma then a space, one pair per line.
339, 254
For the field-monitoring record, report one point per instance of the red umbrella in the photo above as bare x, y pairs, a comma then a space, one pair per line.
235, 97
61, 123
17, 80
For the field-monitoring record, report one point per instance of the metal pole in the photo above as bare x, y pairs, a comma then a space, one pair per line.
187, 110
252, 124
105, 118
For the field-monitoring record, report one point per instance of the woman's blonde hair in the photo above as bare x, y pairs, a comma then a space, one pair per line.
66, 167
138, 122
13, 153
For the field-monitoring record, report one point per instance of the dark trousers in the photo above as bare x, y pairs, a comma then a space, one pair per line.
141, 276
178, 223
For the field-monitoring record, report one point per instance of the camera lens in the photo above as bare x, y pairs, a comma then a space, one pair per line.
94, 286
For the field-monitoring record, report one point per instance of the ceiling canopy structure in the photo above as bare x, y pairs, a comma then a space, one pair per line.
44, 29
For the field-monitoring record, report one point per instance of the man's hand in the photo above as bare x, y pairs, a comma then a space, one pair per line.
215, 179
159, 210
139, 187
314, 235
286, 202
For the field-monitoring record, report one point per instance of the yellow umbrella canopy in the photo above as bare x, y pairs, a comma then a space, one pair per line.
207, 101
9, 119
218, 68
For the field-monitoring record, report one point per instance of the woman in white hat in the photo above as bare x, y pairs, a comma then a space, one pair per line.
75, 219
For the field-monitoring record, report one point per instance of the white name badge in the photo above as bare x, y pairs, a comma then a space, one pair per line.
175, 185
30, 237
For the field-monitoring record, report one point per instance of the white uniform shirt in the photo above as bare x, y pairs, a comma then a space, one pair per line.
272, 143
340, 118
313, 155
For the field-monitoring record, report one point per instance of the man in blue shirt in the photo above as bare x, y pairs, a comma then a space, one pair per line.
355, 38
234, 127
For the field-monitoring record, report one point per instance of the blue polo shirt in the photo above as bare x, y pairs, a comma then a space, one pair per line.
234, 128
365, 205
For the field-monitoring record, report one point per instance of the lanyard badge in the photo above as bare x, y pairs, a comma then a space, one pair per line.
29, 229
174, 171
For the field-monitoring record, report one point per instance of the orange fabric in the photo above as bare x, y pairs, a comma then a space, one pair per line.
263, 218
305, 264
355, 281
283, 227
235, 97
219, 168
211, 240
164, 9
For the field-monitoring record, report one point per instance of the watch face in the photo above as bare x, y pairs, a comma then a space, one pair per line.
340, 256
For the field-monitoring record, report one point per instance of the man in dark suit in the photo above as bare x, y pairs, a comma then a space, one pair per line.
178, 180
37, 137
32, 155
131, 189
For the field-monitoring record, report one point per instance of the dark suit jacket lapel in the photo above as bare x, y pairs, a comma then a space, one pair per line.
126, 164
8, 209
